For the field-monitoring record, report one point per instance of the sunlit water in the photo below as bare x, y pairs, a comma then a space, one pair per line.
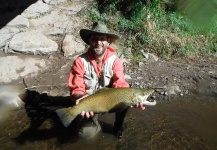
185, 123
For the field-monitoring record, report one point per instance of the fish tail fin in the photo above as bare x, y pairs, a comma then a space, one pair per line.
65, 117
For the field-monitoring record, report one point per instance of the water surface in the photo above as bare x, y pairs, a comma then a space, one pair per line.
183, 123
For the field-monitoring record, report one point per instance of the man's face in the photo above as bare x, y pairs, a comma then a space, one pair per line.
99, 43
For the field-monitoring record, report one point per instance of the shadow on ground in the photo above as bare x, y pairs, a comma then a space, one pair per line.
12, 8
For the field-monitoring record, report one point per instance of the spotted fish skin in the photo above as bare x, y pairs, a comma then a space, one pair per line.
106, 100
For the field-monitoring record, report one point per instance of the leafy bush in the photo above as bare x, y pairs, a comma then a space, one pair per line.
156, 26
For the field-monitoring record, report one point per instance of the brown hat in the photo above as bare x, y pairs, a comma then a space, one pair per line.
98, 28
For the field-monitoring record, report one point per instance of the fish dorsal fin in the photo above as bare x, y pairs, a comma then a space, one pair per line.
101, 90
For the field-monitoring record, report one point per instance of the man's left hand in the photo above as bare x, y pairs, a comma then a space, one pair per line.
139, 105
87, 114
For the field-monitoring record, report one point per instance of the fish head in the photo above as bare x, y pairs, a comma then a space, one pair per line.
142, 95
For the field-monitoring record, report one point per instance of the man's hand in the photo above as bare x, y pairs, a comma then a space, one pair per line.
139, 105
79, 99
83, 113
87, 114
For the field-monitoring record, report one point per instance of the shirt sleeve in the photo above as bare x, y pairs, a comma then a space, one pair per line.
76, 77
118, 74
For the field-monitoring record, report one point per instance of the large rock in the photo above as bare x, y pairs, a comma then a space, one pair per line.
75, 7
18, 22
70, 46
31, 42
54, 2
56, 23
6, 34
35, 10
13, 67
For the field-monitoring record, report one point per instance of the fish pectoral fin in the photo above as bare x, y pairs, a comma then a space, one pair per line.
65, 117
118, 107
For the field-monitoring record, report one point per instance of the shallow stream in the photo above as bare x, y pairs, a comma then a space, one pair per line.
184, 123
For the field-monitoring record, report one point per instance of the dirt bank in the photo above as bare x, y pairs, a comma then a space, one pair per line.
177, 77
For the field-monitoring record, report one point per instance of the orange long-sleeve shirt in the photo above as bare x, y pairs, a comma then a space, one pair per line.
76, 77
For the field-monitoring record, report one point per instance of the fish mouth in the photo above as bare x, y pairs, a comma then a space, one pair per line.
151, 100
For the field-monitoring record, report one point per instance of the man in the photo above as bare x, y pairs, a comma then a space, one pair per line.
97, 68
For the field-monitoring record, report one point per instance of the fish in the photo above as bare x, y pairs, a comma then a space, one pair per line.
106, 100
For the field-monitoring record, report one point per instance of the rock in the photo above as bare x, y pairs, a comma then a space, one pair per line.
153, 57
141, 64
123, 59
75, 8
211, 72
127, 77
56, 23
149, 56
6, 34
35, 10
31, 42
70, 46
3, 39
54, 2
173, 90
166, 93
139, 77
146, 55
13, 67
137, 83
19, 21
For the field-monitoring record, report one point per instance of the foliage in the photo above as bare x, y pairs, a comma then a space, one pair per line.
155, 26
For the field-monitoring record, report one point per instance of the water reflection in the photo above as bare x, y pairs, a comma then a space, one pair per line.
184, 123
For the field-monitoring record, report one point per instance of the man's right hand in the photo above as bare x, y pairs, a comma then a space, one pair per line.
79, 99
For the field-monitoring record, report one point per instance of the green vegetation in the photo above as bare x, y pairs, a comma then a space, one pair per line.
159, 27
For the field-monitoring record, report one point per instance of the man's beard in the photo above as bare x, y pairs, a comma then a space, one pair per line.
99, 53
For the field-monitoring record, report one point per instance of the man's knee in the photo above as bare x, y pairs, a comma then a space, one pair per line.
88, 128
88, 132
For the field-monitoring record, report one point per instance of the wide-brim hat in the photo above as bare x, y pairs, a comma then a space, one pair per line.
98, 28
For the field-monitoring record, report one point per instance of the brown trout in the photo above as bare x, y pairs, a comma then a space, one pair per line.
106, 100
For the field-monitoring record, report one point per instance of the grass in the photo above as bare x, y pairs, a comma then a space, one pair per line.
152, 27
